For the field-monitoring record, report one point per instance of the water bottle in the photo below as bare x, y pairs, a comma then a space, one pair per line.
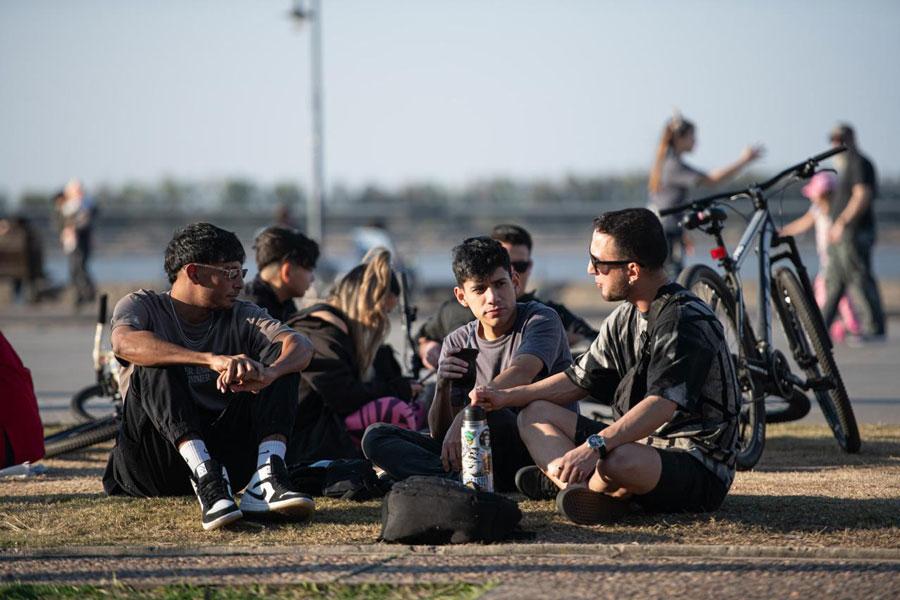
477, 463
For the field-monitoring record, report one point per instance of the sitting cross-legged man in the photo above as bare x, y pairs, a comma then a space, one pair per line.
661, 360
210, 388
517, 343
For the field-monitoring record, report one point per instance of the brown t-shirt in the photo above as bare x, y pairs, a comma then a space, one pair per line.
244, 328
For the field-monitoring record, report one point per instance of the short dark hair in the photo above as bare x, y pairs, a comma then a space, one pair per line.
638, 234
277, 244
512, 235
201, 243
477, 258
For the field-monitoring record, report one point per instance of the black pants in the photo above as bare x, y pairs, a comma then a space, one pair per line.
159, 410
402, 453
79, 276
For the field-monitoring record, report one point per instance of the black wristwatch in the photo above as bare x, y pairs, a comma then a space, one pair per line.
598, 443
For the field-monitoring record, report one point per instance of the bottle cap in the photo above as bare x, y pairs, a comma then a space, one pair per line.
474, 413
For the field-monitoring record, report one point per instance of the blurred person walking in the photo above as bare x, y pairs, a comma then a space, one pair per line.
852, 237
671, 179
75, 214
820, 190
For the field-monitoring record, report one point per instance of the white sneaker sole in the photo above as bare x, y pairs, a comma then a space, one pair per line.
297, 509
223, 520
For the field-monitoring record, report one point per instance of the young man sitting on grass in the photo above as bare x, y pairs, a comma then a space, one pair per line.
661, 360
517, 343
286, 260
210, 388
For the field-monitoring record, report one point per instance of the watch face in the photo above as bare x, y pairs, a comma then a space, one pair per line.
595, 441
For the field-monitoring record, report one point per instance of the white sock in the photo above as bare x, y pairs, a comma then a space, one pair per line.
270, 448
194, 453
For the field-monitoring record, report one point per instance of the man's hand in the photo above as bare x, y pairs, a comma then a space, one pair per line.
575, 466
429, 352
452, 368
239, 373
836, 232
490, 398
451, 450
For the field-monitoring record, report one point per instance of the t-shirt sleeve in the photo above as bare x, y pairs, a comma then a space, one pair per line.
259, 329
680, 360
595, 371
131, 311
543, 337
679, 174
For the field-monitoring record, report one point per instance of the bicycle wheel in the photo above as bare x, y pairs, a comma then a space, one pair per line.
709, 286
91, 404
81, 436
812, 353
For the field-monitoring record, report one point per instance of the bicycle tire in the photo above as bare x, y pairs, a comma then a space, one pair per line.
709, 286
79, 400
812, 352
81, 436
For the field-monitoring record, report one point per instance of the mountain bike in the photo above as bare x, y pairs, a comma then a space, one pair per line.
99, 406
771, 388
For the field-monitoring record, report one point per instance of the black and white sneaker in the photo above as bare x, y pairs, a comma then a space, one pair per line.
532, 482
213, 490
269, 493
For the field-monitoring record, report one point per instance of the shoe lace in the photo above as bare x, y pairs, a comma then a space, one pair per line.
213, 488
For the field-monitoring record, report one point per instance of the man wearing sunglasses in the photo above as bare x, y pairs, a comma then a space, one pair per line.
661, 361
451, 315
210, 388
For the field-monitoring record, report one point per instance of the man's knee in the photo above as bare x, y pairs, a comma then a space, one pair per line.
373, 437
539, 411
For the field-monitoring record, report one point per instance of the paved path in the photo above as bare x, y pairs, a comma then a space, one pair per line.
515, 571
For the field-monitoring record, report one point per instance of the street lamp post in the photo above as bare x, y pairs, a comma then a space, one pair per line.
315, 203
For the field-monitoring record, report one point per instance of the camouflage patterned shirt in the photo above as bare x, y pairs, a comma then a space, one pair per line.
689, 364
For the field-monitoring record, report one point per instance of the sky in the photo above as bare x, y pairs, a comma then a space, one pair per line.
441, 91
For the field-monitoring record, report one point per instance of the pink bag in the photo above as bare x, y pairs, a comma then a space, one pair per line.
388, 409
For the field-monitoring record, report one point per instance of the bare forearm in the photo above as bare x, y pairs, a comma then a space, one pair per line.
144, 349
441, 414
557, 389
296, 352
858, 203
639, 422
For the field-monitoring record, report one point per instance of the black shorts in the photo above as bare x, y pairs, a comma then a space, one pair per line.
685, 485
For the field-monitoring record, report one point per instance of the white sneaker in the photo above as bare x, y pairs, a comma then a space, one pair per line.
269, 493
213, 490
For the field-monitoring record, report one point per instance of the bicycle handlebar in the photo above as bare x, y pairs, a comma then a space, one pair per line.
804, 169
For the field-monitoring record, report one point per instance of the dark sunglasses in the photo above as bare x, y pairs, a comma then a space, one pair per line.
230, 274
598, 264
520, 266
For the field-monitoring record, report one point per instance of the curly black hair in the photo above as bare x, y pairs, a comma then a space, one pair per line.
477, 258
201, 243
638, 234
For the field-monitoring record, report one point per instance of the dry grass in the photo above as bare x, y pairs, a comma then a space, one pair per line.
805, 492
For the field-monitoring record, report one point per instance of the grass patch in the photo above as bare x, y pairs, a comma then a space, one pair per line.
805, 491
183, 592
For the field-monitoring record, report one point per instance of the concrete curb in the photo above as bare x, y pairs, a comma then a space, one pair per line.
610, 551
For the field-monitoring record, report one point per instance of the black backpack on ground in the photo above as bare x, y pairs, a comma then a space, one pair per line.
433, 510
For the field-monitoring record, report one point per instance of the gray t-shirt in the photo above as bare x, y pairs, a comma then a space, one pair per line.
537, 331
677, 180
244, 328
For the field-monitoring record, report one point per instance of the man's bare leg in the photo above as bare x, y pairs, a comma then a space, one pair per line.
547, 430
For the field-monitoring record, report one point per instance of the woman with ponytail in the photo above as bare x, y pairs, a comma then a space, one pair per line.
345, 388
671, 179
